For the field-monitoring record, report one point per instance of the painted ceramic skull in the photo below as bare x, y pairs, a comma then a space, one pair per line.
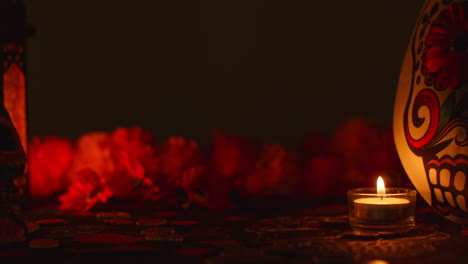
431, 108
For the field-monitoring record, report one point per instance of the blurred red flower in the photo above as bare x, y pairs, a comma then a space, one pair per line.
177, 153
353, 140
323, 178
137, 142
384, 161
315, 145
86, 191
94, 150
125, 163
49, 160
355, 137
233, 156
207, 188
136, 155
275, 174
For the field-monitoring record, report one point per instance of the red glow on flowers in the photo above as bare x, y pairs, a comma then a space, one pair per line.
207, 188
127, 164
176, 154
232, 155
49, 160
275, 173
323, 177
85, 192
139, 144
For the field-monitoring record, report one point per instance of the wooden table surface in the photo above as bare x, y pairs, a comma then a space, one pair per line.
319, 234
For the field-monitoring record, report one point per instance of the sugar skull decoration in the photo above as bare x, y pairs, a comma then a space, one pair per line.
12, 165
431, 108
13, 159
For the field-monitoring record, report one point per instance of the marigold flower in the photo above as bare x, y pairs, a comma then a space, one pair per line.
323, 177
355, 137
232, 155
176, 154
85, 192
275, 173
94, 150
207, 188
49, 161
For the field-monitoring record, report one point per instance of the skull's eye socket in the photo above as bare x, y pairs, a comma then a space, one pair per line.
7, 138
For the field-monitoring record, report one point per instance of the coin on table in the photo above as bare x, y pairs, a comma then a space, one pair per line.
51, 221
157, 231
167, 237
151, 222
223, 242
184, 222
117, 221
44, 243
194, 251
32, 226
107, 215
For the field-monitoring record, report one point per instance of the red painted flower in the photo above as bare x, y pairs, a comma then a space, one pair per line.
446, 50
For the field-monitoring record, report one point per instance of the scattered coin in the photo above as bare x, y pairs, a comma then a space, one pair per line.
151, 222
157, 231
184, 222
165, 214
243, 259
44, 243
168, 237
32, 226
108, 238
206, 234
225, 242
131, 248
107, 215
235, 218
117, 221
195, 251
51, 221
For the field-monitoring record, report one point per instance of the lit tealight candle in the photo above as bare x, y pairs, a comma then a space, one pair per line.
389, 210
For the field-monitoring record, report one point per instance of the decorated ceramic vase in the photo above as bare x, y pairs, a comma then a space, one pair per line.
431, 108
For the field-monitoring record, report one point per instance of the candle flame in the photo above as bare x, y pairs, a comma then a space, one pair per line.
380, 186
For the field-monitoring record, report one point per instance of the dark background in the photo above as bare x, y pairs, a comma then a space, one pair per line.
275, 70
